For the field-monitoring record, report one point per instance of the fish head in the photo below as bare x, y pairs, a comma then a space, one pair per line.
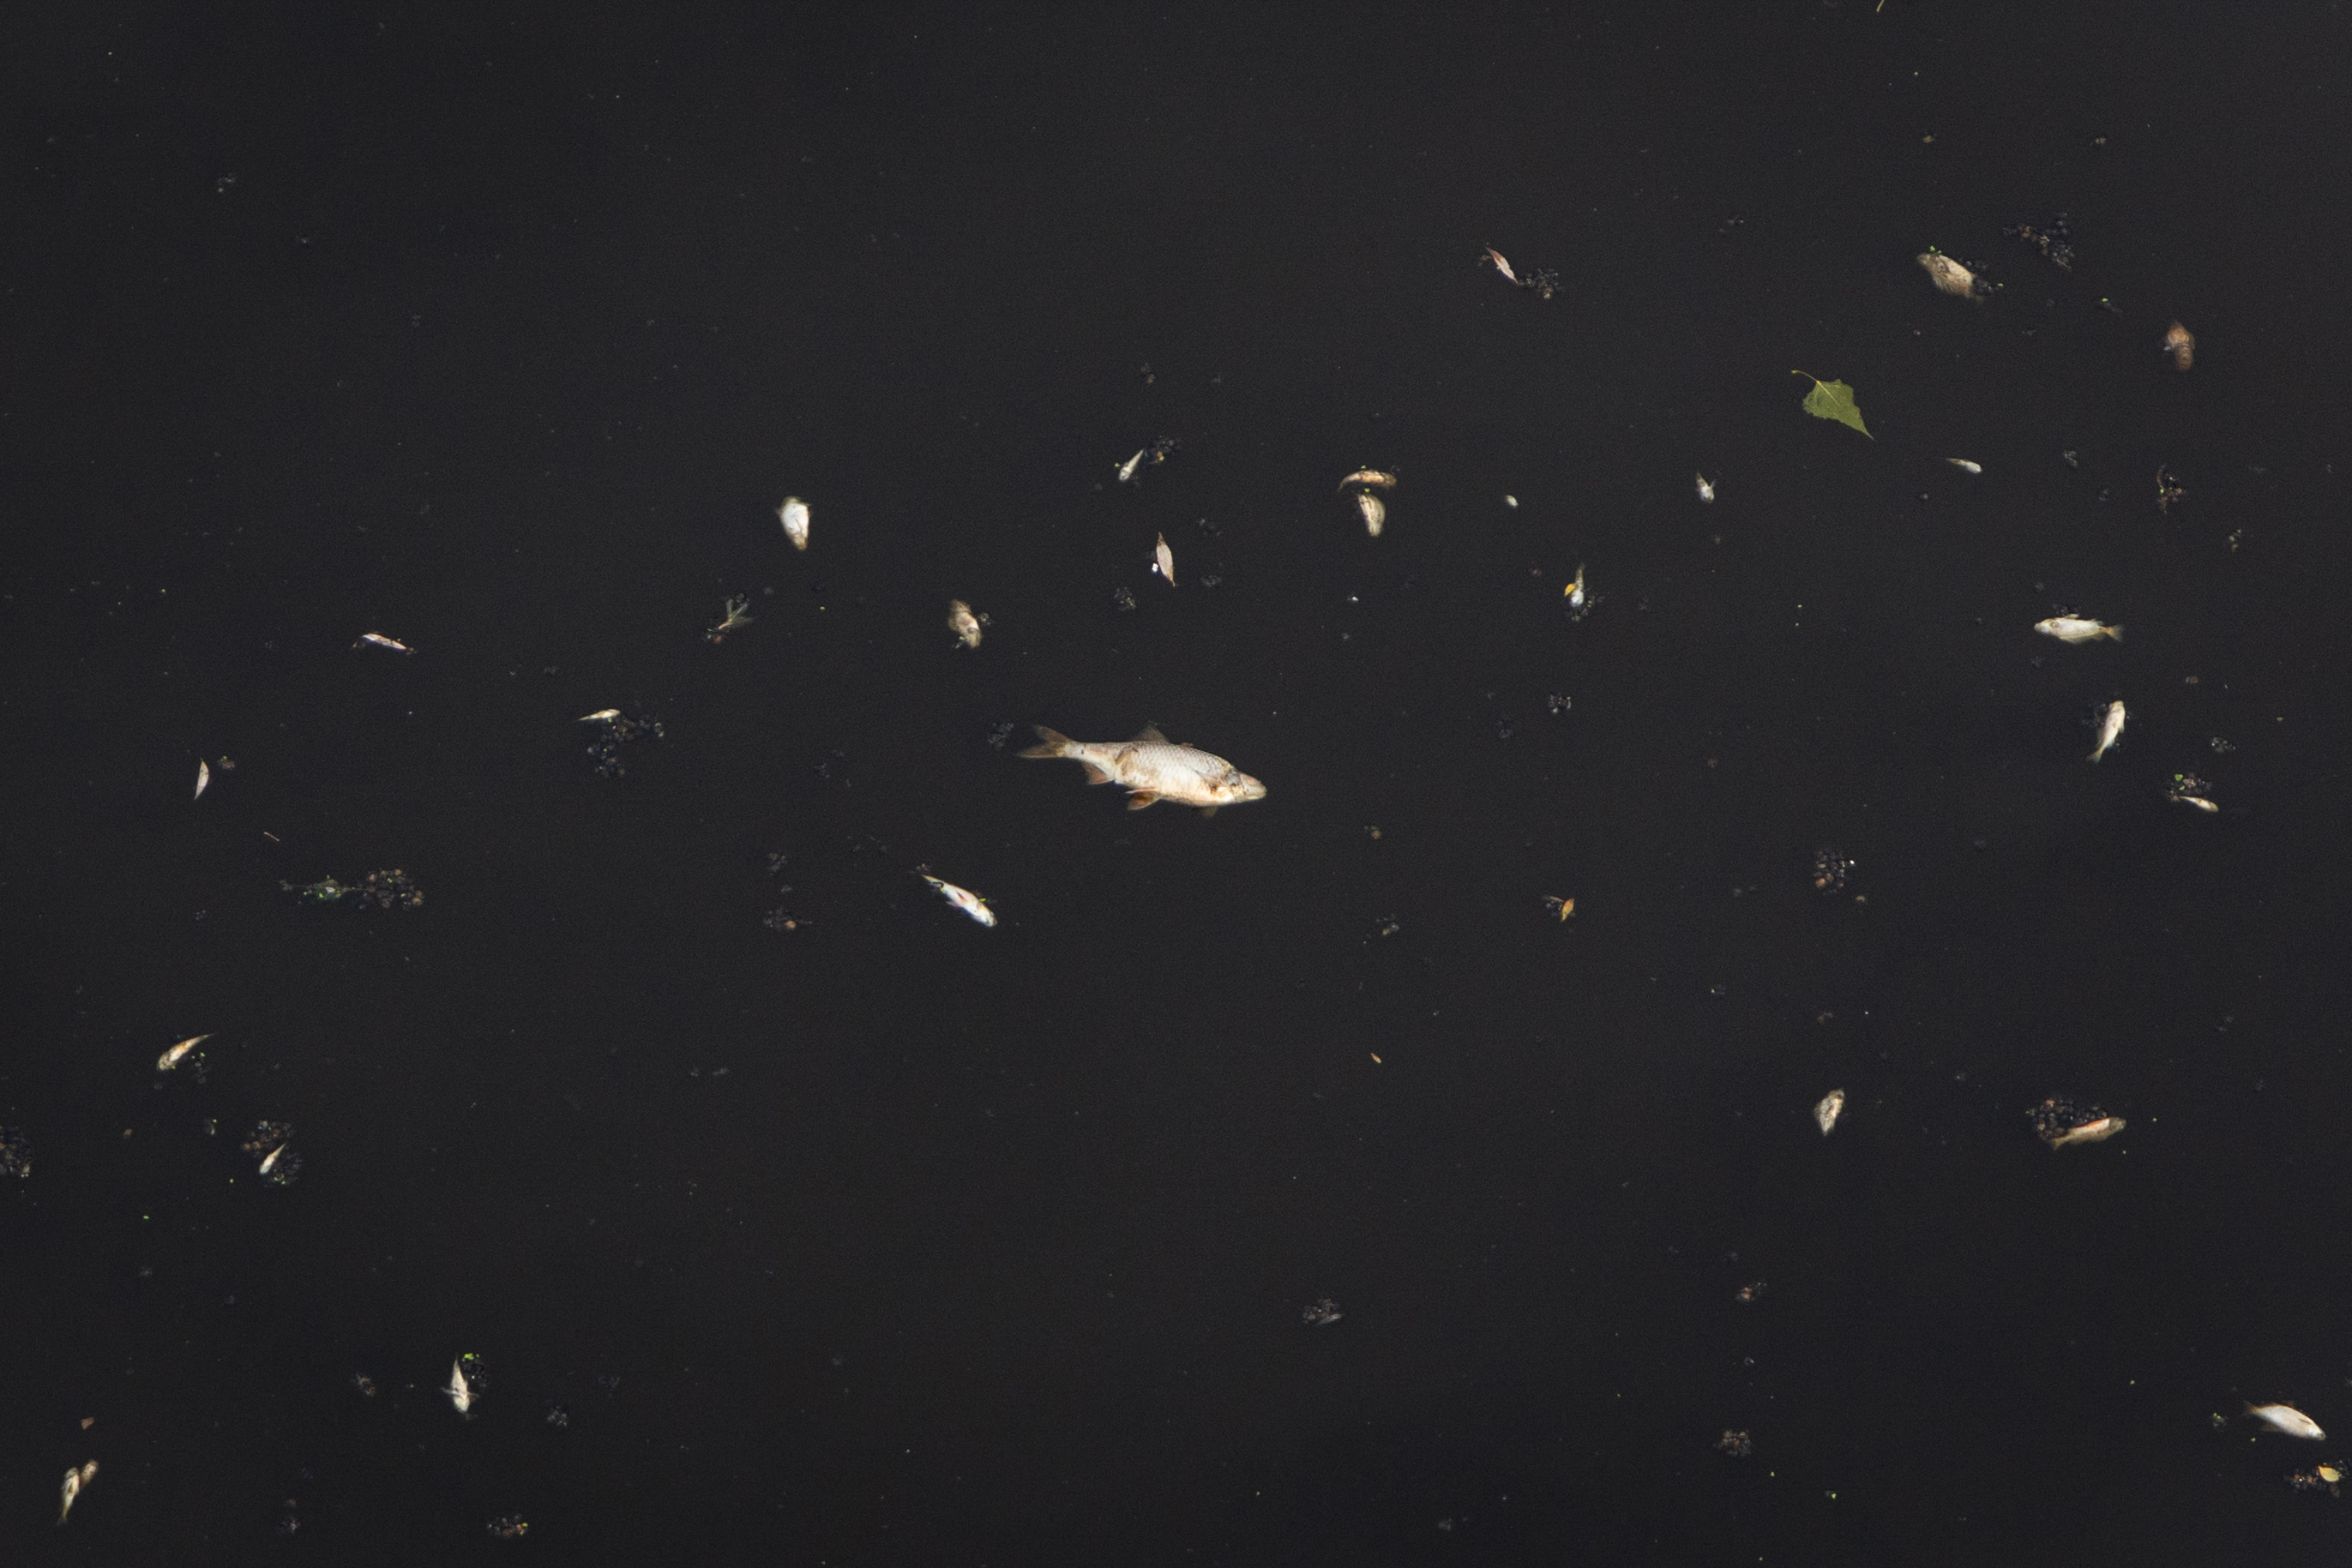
1237, 786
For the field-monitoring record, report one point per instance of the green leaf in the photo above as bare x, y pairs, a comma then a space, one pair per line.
1832, 400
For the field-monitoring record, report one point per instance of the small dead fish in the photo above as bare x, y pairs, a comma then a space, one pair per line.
1563, 907
794, 514
1151, 768
381, 641
1501, 266
75, 1479
1512, 502
1386, 481
1706, 490
2182, 344
178, 1053
2199, 802
963, 898
963, 624
2077, 628
738, 614
460, 1392
1949, 275
2111, 728
2096, 1132
1964, 466
1127, 469
203, 778
1574, 593
1164, 561
601, 716
2286, 1418
1831, 1107
1375, 514
269, 1161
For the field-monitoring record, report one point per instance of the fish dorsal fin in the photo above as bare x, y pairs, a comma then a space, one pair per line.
1149, 734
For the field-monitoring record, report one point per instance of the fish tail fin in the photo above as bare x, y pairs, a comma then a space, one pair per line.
1053, 743
2116, 633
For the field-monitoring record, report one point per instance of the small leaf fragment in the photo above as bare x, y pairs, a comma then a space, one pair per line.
1832, 400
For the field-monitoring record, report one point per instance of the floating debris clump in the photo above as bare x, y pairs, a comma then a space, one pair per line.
1739, 1445
1319, 1311
377, 890
738, 614
512, 1527
618, 729
15, 1151
2051, 239
1830, 871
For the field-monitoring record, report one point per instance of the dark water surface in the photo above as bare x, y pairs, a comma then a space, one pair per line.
891, 1238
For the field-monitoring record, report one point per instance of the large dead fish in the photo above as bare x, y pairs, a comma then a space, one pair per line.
1151, 768
77, 1479
794, 514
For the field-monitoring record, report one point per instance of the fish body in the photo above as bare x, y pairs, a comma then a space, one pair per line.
1831, 1107
1151, 768
601, 716
794, 514
203, 778
1949, 275
1965, 465
1127, 469
1501, 266
2182, 344
1706, 490
1374, 512
1385, 480
963, 898
963, 624
1574, 593
381, 641
77, 1478
2199, 802
173, 1057
2077, 628
2097, 1131
269, 1161
2286, 1418
460, 1392
2111, 728
1164, 561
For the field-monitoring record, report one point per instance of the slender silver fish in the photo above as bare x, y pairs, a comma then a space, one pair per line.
381, 641
1151, 768
2077, 628
963, 898
2110, 727
460, 1392
204, 778
1127, 469
1164, 561
1500, 265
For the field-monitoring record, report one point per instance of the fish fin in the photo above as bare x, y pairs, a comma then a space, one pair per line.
1149, 734
1094, 774
1208, 812
2116, 633
1139, 799
1057, 744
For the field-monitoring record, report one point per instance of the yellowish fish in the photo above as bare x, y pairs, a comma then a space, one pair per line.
1831, 1107
963, 624
1374, 513
1706, 490
1949, 275
76, 1481
178, 1053
1381, 477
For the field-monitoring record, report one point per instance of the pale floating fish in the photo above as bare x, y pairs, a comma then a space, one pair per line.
2078, 628
1578, 601
2062, 1119
794, 514
601, 716
178, 1053
1374, 513
963, 624
77, 1479
1706, 490
1949, 275
2288, 1419
203, 778
1831, 1107
2199, 802
1512, 502
1964, 466
381, 641
1164, 561
963, 898
2182, 344
1381, 477
460, 1392
1501, 266
2111, 728
1127, 469
269, 1161
1563, 907
1151, 768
